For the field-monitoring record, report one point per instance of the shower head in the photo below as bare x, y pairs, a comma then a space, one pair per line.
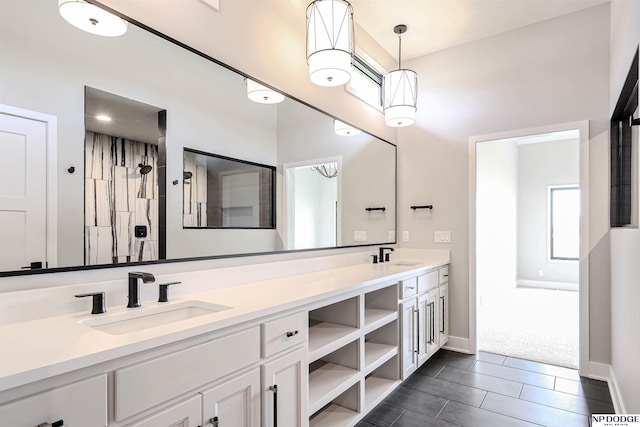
187, 175
144, 169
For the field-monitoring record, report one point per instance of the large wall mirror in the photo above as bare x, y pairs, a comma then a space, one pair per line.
57, 164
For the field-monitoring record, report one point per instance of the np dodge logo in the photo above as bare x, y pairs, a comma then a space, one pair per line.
611, 420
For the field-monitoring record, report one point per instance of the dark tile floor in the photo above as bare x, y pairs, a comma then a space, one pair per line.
454, 389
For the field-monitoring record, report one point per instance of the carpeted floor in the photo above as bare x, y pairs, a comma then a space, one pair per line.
534, 324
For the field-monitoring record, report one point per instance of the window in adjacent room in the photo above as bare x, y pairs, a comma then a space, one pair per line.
366, 79
564, 222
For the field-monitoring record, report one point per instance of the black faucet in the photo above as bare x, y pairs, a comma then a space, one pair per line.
134, 286
384, 257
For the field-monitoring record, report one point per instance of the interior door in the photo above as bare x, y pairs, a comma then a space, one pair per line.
23, 195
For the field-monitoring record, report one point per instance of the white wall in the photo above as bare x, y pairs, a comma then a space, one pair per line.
625, 243
552, 72
540, 165
496, 216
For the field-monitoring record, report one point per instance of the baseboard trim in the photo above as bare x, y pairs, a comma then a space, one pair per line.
599, 371
461, 345
616, 397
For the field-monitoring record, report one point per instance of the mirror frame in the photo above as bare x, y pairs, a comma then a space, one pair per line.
162, 176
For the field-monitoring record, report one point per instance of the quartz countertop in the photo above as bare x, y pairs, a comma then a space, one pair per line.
38, 349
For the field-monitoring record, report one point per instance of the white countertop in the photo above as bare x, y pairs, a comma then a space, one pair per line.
34, 350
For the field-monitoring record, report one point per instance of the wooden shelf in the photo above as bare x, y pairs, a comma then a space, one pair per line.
376, 354
375, 318
325, 337
333, 415
327, 382
376, 389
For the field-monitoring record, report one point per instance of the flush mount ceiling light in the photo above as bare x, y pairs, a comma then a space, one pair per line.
91, 18
400, 89
262, 94
329, 42
344, 129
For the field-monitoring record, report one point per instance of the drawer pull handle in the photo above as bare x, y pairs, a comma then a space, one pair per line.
410, 287
274, 389
445, 275
58, 423
290, 334
213, 422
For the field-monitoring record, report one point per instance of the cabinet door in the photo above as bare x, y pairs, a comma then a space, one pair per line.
235, 403
81, 404
443, 317
285, 390
409, 327
187, 413
423, 338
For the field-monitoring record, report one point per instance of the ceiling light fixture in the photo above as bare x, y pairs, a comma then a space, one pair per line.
91, 18
103, 118
330, 42
400, 89
344, 129
262, 94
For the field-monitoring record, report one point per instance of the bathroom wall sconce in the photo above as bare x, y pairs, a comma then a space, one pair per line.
330, 42
262, 94
91, 18
344, 129
400, 88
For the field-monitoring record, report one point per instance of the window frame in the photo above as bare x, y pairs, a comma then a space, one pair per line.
550, 246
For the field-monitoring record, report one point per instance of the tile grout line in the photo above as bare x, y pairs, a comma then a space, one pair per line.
442, 409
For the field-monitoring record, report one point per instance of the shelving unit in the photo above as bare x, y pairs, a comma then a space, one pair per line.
353, 356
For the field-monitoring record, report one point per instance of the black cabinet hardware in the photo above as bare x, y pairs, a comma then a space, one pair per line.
274, 389
58, 423
442, 311
376, 209
290, 334
417, 313
414, 207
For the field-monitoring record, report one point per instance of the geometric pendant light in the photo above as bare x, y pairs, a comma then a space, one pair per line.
91, 18
330, 42
400, 88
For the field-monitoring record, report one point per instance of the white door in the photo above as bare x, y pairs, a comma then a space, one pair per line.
235, 403
284, 391
23, 192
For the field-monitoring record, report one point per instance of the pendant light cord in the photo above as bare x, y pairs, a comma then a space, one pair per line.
399, 51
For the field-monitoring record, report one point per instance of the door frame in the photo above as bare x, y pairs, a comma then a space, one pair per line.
51, 123
583, 276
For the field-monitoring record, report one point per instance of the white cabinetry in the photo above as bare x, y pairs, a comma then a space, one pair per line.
284, 391
81, 404
353, 356
184, 414
423, 313
234, 403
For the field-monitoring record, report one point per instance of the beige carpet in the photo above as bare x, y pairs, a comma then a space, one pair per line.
534, 324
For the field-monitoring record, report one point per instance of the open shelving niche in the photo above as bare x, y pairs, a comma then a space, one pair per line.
353, 356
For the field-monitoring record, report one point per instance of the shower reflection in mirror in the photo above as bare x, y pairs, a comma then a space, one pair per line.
121, 179
222, 192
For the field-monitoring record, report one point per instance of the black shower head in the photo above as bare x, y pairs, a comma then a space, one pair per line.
144, 169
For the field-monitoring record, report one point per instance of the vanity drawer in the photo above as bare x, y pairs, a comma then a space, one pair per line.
147, 384
283, 333
427, 281
408, 288
79, 404
443, 275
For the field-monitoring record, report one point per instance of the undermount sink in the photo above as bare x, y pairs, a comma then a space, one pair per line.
150, 317
405, 264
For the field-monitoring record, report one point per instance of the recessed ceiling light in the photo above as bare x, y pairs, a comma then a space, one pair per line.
103, 118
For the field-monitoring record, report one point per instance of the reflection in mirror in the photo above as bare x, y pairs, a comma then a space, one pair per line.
122, 194
208, 111
220, 192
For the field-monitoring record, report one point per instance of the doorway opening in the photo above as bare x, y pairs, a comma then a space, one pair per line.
312, 209
526, 207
